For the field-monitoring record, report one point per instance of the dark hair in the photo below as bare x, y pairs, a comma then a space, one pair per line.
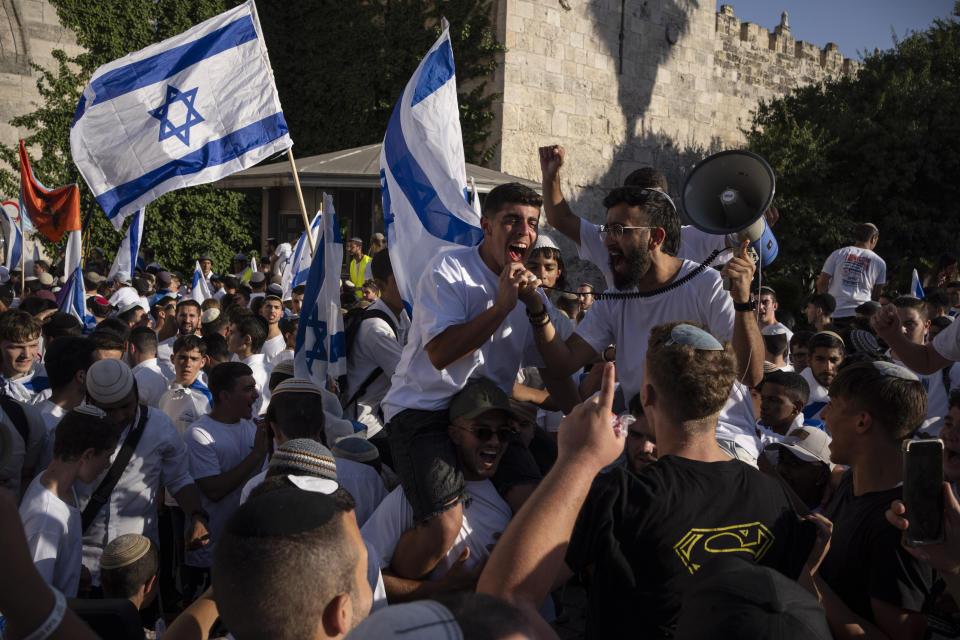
97, 309
824, 339
955, 398
224, 378
256, 304
657, 209
18, 326
794, 384
61, 325
775, 344
298, 415
824, 301
253, 326
300, 289
380, 266
126, 581
941, 322
553, 253
909, 302
290, 324
144, 339
936, 298
129, 315
765, 290
647, 177
509, 193
217, 347
188, 302
76, 432
230, 282
35, 305
189, 343
801, 338
65, 357
214, 326
117, 327
302, 572
897, 404
865, 232
107, 341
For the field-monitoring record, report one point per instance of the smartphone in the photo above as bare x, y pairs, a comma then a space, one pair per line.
923, 491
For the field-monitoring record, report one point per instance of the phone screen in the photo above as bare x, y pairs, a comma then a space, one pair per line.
923, 491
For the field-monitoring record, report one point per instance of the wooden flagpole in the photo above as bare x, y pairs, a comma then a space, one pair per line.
303, 206
23, 260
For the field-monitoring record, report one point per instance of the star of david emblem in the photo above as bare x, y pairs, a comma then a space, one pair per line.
167, 128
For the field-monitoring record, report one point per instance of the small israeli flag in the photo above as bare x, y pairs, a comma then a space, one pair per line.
125, 262
186, 111
13, 235
423, 177
200, 289
915, 289
321, 348
298, 264
72, 298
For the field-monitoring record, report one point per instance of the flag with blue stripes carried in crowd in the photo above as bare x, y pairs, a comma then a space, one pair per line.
321, 348
186, 111
72, 298
13, 235
200, 288
298, 264
125, 263
423, 177
915, 289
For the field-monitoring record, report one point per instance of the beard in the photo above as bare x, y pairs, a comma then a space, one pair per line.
637, 264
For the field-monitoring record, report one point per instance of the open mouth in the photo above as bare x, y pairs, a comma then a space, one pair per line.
517, 251
488, 456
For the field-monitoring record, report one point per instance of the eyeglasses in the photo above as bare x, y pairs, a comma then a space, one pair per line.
483, 433
616, 229
691, 336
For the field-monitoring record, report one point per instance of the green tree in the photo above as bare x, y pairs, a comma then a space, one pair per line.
882, 147
179, 225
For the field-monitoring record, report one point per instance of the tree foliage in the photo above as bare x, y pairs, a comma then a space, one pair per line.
882, 147
339, 68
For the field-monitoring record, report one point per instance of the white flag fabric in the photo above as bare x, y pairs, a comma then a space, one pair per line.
186, 111
298, 264
422, 172
72, 298
125, 262
321, 348
14, 236
200, 290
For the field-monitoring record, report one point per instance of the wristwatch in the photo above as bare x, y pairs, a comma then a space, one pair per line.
746, 306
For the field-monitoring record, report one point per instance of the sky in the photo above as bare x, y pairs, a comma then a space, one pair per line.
857, 26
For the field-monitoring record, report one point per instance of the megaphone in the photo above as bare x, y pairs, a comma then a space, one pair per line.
727, 194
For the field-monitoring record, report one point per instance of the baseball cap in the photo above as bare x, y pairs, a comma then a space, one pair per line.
809, 444
479, 396
109, 381
738, 599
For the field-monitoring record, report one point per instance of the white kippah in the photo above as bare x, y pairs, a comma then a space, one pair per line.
90, 410
295, 385
109, 381
284, 366
210, 315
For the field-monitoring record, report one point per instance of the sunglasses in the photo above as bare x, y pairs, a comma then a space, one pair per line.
616, 229
484, 433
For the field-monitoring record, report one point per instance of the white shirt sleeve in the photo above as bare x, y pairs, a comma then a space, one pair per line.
44, 534
596, 329
201, 449
385, 526
830, 266
947, 342
440, 302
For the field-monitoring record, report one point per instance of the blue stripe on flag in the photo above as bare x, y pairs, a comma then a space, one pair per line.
416, 186
437, 69
144, 73
216, 152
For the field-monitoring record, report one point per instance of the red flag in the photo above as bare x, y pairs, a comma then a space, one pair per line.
52, 211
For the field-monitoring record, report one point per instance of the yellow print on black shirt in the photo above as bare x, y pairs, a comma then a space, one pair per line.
696, 547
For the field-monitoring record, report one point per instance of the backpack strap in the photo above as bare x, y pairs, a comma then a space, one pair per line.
17, 416
102, 493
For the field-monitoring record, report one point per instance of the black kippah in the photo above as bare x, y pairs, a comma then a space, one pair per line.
283, 512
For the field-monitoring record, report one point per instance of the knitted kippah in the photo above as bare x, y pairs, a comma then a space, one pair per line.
293, 385
124, 550
304, 456
109, 381
285, 367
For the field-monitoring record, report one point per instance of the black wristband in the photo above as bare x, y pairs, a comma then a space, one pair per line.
745, 306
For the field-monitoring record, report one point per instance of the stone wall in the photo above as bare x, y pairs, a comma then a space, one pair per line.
29, 32
628, 83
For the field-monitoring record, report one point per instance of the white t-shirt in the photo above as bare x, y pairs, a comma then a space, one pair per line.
819, 396
483, 515
184, 405
854, 272
152, 382
282, 252
695, 245
261, 375
375, 345
456, 288
51, 414
54, 537
165, 352
273, 346
938, 402
214, 448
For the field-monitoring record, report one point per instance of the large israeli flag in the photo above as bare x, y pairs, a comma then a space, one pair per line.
423, 177
14, 236
298, 264
186, 111
72, 298
125, 263
321, 348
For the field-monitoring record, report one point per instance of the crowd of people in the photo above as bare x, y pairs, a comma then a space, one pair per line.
700, 461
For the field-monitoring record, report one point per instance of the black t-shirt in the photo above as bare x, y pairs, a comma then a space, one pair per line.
645, 536
865, 558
